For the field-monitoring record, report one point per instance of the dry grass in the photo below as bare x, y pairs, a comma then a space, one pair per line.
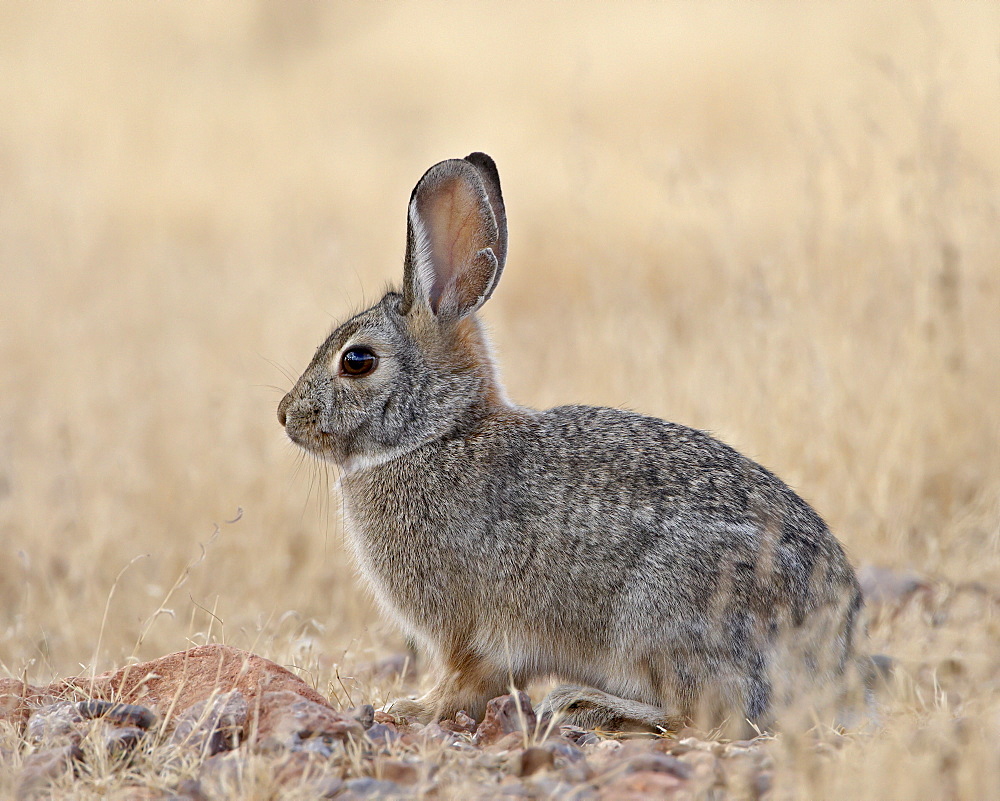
778, 222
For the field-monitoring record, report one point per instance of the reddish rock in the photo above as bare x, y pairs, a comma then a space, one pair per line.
462, 724
287, 720
384, 717
504, 715
178, 681
398, 771
531, 760
18, 699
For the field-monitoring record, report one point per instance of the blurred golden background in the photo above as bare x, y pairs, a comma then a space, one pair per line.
774, 221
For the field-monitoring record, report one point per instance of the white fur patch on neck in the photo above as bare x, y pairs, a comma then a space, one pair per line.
367, 461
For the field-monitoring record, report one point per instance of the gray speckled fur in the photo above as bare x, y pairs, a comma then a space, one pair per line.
617, 551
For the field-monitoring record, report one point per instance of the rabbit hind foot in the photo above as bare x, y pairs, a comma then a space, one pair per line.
589, 708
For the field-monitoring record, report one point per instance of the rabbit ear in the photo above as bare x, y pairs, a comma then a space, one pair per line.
491, 180
454, 241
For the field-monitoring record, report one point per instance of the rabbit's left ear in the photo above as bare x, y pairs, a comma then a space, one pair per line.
456, 237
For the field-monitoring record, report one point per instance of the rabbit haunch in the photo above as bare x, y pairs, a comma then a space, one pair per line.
665, 575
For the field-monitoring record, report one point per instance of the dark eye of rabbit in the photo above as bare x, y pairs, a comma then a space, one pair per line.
358, 362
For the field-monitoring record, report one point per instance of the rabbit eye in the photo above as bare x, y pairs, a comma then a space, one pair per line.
357, 362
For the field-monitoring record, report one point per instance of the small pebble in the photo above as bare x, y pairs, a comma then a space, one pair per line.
364, 714
382, 733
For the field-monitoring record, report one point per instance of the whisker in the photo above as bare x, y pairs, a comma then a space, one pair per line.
285, 371
270, 386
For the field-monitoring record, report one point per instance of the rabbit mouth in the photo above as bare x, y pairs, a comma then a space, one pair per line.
315, 441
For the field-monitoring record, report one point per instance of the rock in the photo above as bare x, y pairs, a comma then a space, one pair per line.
364, 714
384, 717
121, 741
325, 787
589, 738
505, 715
462, 724
40, 769
117, 714
533, 759
287, 720
562, 751
222, 772
189, 790
398, 771
512, 788
18, 699
382, 734
641, 785
55, 725
307, 772
673, 747
213, 725
191, 681
433, 732
659, 763
509, 742
763, 782
577, 772
372, 788
571, 733
705, 769
180, 680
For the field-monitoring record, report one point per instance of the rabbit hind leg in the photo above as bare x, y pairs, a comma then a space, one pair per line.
590, 708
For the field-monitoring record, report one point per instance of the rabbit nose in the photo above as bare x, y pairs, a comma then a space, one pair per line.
282, 407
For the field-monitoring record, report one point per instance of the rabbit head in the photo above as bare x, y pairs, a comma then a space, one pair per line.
415, 365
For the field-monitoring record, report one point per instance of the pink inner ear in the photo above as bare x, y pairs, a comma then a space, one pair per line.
458, 223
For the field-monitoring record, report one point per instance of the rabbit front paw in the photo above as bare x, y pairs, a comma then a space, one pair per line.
410, 708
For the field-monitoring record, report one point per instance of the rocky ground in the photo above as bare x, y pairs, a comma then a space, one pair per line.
216, 722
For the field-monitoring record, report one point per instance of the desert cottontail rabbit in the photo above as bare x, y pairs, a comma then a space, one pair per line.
662, 573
